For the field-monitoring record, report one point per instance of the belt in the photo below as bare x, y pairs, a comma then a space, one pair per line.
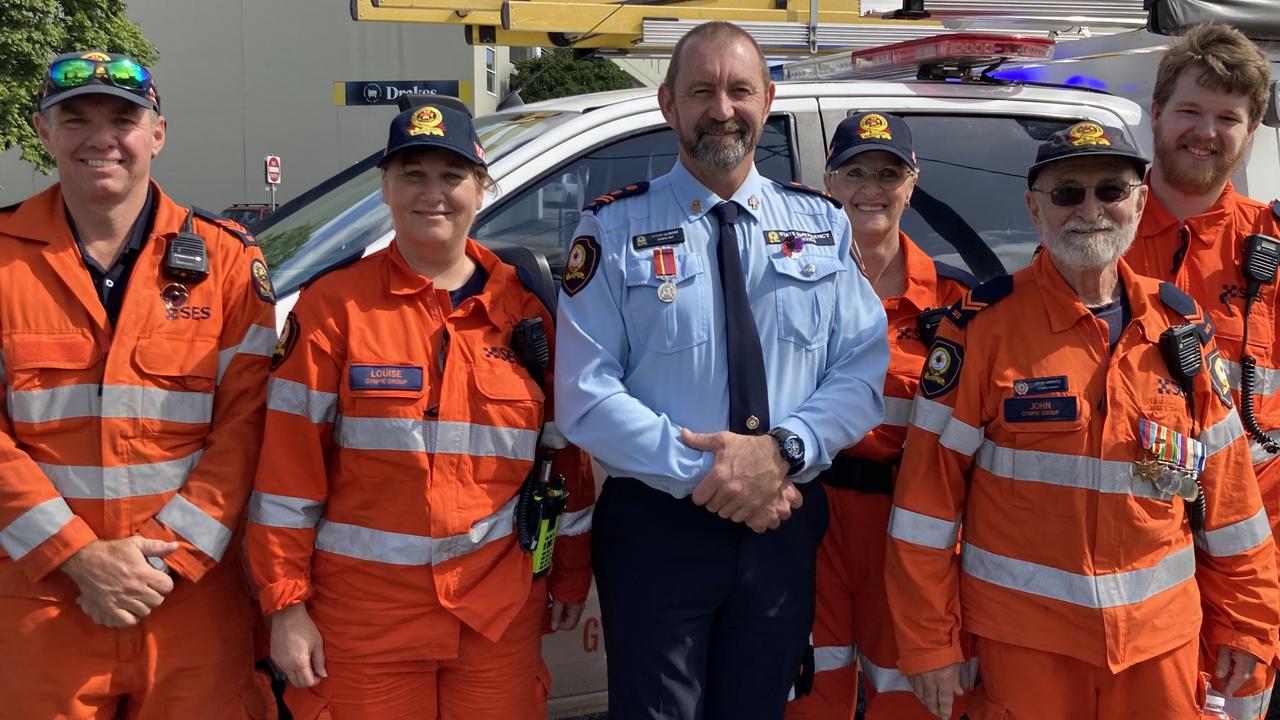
865, 476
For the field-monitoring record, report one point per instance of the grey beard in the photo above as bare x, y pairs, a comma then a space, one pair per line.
1076, 255
722, 154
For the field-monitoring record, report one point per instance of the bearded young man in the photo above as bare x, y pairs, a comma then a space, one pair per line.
699, 311
1211, 92
1050, 423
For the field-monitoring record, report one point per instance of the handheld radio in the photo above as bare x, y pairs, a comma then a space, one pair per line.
927, 323
1261, 257
1180, 346
186, 259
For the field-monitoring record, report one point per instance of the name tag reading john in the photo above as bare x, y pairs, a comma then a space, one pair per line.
1049, 409
385, 377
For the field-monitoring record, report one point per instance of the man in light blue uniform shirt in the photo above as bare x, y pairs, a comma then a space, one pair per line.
707, 528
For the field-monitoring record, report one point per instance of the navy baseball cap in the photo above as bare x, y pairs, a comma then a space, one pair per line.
98, 73
871, 131
434, 125
1086, 139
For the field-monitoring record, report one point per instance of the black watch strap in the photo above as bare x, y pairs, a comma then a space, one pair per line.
788, 440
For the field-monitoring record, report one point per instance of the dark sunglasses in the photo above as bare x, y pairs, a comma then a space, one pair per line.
76, 72
1072, 195
888, 178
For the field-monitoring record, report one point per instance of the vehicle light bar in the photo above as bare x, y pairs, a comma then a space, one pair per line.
958, 52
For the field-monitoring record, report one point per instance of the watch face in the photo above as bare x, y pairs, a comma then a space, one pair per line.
793, 447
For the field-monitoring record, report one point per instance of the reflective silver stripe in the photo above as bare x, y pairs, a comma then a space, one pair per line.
1091, 591
1249, 707
953, 434
1235, 538
284, 511
432, 436
1222, 433
577, 522
1258, 454
34, 526
83, 482
886, 680
115, 401
195, 525
832, 657
258, 340
297, 399
897, 411
1074, 471
925, 530
395, 548
1266, 380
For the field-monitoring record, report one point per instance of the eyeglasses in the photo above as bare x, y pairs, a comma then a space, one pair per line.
75, 72
1072, 195
888, 178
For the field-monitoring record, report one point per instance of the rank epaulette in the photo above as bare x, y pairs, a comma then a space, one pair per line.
335, 266
1182, 303
954, 273
985, 294
801, 187
631, 190
227, 224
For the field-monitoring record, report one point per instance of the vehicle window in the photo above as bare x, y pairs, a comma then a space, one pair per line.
968, 208
544, 215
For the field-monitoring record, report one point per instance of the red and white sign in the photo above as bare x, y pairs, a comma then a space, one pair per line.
272, 164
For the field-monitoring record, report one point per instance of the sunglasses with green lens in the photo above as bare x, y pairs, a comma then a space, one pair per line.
75, 72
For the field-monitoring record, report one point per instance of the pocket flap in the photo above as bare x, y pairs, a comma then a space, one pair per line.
806, 268
501, 381
177, 356
63, 351
640, 270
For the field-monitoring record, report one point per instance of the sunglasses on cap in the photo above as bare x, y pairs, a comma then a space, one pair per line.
1072, 195
77, 72
888, 178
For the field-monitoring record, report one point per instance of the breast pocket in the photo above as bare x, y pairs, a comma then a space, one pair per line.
662, 326
1169, 412
51, 377
1045, 452
806, 293
180, 375
382, 406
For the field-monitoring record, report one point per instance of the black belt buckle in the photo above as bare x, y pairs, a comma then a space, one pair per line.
860, 474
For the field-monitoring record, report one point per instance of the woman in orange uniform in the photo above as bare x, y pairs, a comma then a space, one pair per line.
872, 171
407, 404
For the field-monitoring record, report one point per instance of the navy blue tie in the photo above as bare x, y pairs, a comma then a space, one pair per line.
748, 385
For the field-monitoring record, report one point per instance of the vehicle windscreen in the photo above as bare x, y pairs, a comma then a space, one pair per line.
345, 214
968, 208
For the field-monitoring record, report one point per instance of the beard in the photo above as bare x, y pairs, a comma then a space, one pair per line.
1194, 179
1105, 248
721, 152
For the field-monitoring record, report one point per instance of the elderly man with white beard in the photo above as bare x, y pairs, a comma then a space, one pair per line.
1070, 417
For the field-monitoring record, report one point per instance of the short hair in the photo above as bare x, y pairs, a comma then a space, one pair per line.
480, 172
721, 33
1226, 60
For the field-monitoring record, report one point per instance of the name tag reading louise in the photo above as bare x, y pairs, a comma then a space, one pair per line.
1039, 409
385, 377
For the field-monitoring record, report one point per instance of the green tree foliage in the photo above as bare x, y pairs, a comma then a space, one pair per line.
31, 33
557, 73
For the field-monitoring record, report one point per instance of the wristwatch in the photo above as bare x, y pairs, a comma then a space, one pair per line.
791, 447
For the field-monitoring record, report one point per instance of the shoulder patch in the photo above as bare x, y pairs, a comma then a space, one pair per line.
262, 281
1218, 376
631, 190
288, 338
1183, 304
580, 267
335, 266
941, 368
227, 224
802, 188
978, 298
952, 272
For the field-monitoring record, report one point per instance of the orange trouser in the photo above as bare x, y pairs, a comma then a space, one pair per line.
192, 657
853, 612
505, 680
1019, 683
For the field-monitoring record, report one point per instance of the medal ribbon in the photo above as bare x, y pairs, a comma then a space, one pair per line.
664, 262
1172, 447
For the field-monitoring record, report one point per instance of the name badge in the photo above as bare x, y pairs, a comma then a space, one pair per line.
1040, 386
800, 237
1021, 410
674, 236
385, 377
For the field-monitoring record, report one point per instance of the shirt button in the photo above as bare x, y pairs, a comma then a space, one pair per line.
109, 283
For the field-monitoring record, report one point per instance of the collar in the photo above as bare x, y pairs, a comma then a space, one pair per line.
404, 280
1206, 227
138, 232
696, 200
922, 276
1064, 308
43, 217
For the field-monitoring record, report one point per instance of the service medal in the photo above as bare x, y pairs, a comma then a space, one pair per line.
664, 268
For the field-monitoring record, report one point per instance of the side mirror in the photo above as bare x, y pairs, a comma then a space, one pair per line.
1271, 118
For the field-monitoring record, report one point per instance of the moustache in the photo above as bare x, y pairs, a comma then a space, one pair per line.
1076, 225
729, 126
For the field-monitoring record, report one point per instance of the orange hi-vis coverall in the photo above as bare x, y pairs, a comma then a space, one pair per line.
1027, 429
851, 627
400, 431
1204, 257
151, 428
